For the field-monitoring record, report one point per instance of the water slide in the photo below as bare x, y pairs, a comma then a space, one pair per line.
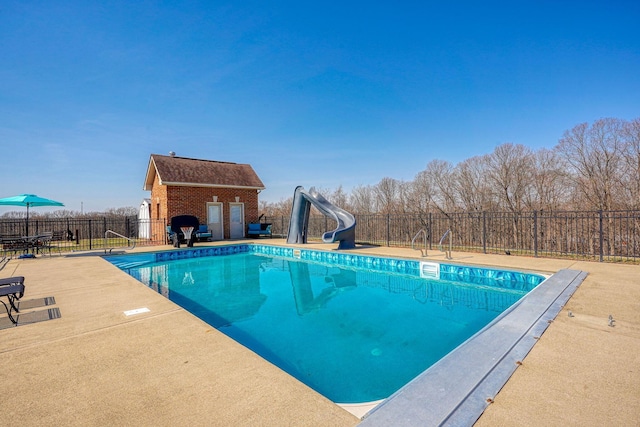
345, 232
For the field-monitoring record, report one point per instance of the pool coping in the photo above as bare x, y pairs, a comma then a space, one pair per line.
459, 387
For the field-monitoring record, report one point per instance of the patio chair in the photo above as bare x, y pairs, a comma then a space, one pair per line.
44, 242
203, 233
13, 289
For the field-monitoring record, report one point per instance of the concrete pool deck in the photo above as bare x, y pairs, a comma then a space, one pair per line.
97, 366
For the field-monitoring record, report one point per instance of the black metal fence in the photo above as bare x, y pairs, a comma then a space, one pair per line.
82, 234
612, 236
596, 235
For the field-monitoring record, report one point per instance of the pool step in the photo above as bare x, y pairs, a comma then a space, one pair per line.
132, 264
125, 262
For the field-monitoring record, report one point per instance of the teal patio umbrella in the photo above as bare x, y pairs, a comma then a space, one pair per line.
28, 200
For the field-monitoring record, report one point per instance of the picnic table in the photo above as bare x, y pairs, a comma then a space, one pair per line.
25, 244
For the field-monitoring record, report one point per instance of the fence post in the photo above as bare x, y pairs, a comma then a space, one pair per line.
430, 225
601, 236
484, 232
90, 236
388, 229
535, 234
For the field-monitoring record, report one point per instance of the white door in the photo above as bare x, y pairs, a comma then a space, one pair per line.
214, 220
236, 212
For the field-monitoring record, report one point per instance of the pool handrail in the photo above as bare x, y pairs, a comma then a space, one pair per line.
422, 251
106, 233
447, 254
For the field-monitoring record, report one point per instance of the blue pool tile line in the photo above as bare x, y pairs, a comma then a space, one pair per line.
272, 250
478, 275
202, 252
389, 265
125, 262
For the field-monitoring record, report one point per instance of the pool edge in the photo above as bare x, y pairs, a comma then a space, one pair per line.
365, 410
456, 391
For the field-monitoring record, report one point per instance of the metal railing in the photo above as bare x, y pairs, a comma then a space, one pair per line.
422, 232
605, 236
119, 237
87, 234
447, 253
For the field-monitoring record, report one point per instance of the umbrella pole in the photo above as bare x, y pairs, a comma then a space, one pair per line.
27, 226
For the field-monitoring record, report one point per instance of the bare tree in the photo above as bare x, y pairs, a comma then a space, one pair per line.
421, 193
120, 212
14, 215
64, 213
404, 202
432, 189
339, 198
470, 183
362, 200
631, 160
438, 175
550, 187
510, 174
387, 192
594, 156
281, 208
592, 167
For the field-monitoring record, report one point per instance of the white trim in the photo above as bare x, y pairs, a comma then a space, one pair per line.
148, 186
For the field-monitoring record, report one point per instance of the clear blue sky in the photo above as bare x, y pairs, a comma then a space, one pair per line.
314, 94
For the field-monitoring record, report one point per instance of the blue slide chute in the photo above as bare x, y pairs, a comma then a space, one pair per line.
345, 232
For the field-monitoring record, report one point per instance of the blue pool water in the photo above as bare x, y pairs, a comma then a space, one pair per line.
354, 328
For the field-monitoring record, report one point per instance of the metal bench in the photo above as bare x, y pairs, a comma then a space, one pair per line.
259, 229
13, 289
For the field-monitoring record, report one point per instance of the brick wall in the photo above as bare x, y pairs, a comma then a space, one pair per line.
158, 200
183, 200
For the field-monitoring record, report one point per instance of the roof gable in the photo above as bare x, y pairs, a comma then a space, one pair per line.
183, 171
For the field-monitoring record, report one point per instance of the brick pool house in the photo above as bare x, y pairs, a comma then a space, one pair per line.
223, 195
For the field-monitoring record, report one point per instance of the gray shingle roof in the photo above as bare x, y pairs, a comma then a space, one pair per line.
200, 173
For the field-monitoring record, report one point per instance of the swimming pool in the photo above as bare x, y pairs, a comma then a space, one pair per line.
356, 328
